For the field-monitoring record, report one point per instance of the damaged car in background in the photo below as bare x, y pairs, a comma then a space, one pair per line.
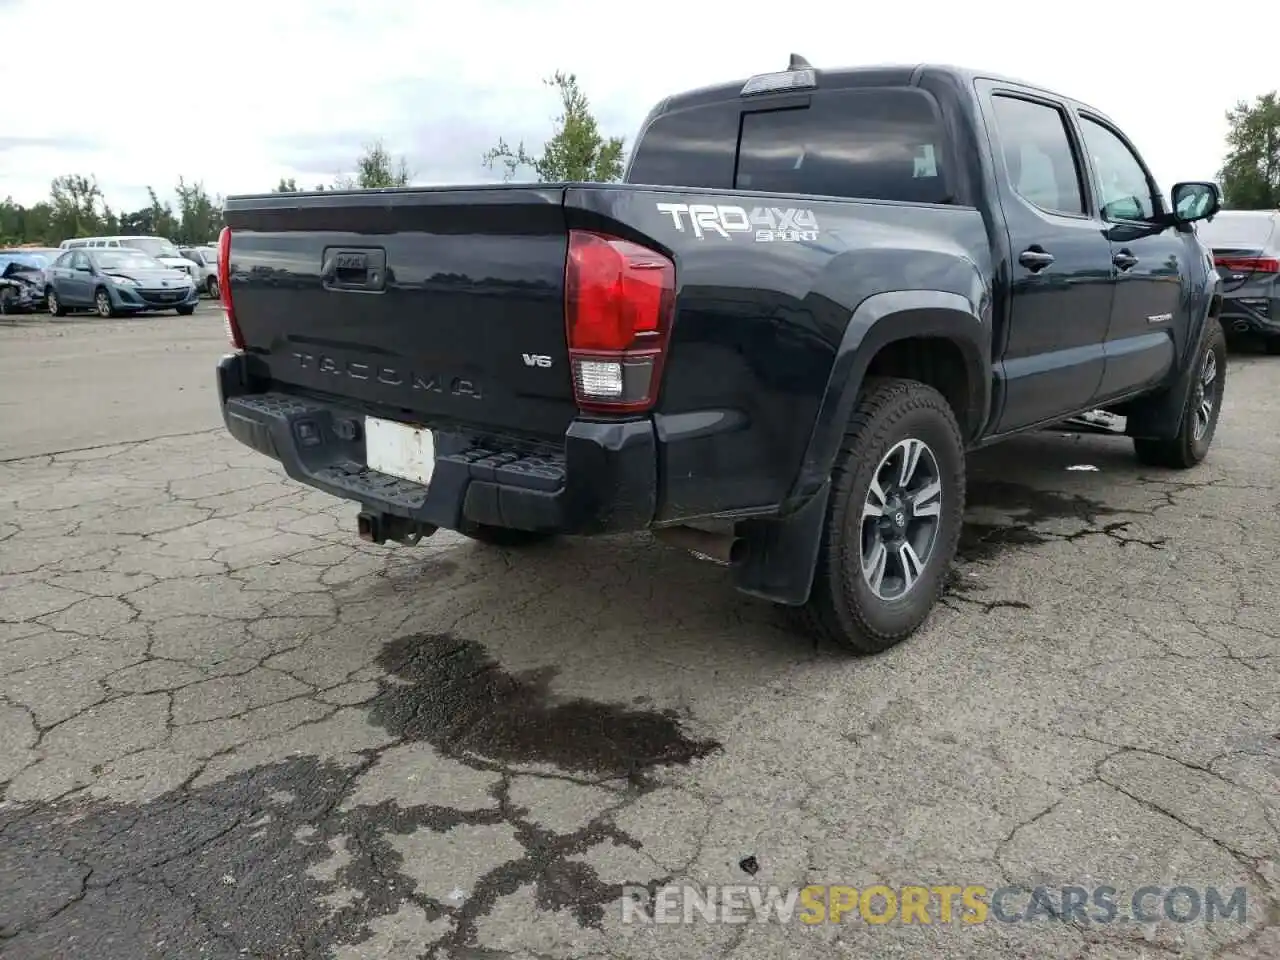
21, 281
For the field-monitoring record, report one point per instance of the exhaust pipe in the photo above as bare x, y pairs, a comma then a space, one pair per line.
721, 547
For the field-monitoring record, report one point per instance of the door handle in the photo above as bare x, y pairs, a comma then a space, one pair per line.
1035, 258
1124, 260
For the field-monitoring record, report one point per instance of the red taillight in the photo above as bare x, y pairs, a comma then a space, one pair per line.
1248, 264
224, 288
619, 300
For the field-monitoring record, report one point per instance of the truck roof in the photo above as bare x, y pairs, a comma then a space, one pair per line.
875, 75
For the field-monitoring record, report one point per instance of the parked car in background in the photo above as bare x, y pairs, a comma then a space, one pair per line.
158, 247
115, 282
41, 256
22, 280
1246, 251
206, 259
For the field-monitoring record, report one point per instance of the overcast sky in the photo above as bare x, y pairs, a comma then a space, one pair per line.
238, 94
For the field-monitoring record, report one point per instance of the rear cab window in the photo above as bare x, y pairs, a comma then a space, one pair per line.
1232, 229
873, 143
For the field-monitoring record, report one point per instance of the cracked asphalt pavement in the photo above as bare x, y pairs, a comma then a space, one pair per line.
229, 728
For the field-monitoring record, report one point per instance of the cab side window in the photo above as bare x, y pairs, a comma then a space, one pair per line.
1038, 156
64, 262
1124, 192
79, 261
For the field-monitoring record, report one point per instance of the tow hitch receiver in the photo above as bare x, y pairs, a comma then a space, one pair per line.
381, 527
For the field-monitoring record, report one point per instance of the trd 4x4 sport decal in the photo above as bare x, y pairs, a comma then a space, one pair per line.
767, 224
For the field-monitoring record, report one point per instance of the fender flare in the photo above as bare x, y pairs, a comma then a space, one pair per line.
879, 320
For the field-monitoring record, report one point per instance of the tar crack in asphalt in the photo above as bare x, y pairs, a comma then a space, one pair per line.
222, 870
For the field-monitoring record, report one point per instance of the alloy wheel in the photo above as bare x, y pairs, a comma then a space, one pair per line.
901, 517
1206, 397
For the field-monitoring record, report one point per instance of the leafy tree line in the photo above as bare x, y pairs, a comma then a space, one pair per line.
576, 151
1250, 174
77, 208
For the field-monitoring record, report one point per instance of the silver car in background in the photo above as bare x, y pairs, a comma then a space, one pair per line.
1246, 251
206, 261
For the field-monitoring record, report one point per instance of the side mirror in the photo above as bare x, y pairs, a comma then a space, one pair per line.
1195, 200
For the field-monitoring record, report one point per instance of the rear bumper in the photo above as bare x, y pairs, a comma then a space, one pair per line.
603, 480
1257, 315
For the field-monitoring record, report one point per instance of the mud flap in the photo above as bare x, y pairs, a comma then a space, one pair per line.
1159, 417
782, 552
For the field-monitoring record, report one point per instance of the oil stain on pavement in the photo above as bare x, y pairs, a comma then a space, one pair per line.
291, 859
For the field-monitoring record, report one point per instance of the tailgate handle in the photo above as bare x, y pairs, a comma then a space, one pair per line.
358, 269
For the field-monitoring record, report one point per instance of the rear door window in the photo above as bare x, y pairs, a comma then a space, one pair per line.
874, 144
1038, 155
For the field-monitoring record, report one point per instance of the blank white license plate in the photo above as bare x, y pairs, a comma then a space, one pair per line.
399, 449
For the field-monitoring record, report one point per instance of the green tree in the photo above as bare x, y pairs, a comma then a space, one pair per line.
163, 222
289, 185
74, 200
1250, 174
577, 151
19, 224
199, 215
376, 168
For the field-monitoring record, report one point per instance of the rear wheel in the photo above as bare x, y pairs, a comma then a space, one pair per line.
55, 305
893, 522
1199, 419
1272, 345
102, 303
212, 287
503, 536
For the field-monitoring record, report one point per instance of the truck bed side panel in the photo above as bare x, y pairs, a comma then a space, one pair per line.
758, 324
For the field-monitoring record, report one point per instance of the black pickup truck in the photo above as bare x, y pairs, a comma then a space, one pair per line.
773, 343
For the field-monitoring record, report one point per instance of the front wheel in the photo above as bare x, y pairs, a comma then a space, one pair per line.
186, 311
1199, 419
893, 521
1272, 346
102, 303
213, 290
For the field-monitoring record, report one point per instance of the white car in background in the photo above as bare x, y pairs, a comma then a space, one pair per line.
206, 261
158, 248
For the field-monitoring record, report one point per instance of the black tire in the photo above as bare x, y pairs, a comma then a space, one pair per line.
55, 305
186, 311
1272, 346
102, 303
212, 288
8, 302
1191, 445
503, 536
842, 607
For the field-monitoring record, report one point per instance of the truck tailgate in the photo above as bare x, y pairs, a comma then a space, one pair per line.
437, 306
